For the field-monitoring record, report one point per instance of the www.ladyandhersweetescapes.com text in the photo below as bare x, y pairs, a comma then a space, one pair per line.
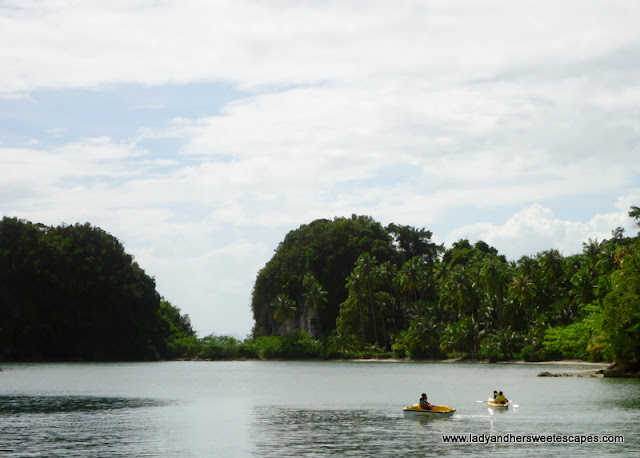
530, 439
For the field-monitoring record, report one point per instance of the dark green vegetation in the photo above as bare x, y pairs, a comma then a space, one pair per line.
346, 287
72, 293
351, 287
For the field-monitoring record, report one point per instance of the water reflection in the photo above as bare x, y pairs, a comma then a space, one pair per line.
56, 404
299, 432
627, 394
77, 426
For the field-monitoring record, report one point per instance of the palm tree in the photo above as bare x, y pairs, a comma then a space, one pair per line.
591, 251
458, 291
552, 285
582, 288
635, 214
423, 337
365, 280
284, 310
341, 340
355, 287
316, 297
522, 290
493, 273
413, 277
507, 341
528, 266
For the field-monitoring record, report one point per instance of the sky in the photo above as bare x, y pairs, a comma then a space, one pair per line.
199, 133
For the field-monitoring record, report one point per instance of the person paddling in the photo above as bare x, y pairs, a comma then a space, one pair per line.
424, 404
501, 399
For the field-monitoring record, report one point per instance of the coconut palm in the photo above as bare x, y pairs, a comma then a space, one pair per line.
355, 286
284, 310
316, 298
522, 291
364, 282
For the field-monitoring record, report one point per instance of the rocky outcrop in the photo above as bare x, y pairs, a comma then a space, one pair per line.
598, 373
615, 370
626, 370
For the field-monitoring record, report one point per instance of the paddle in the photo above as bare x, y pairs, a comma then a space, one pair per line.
510, 403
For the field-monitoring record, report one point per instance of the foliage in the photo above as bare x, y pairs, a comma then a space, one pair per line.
567, 342
268, 347
183, 347
342, 343
421, 340
72, 292
399, 291
346, 288
284, 310
621, 309
328, 250
219, 347
298, 345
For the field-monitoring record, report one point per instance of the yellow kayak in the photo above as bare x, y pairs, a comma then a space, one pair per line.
498, 405
415, 411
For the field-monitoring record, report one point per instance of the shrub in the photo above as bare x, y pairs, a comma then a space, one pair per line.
247, 349
300, 345
267, 347
219, 347
567, 342
184, 347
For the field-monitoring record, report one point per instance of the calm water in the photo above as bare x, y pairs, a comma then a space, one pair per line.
250, 408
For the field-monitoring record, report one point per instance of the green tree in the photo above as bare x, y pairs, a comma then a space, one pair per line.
284, 311
621, 308
493, 279
356, 300
72, 292
522, 292
341, 341
413, 278
328, 249
316, 298
413, 242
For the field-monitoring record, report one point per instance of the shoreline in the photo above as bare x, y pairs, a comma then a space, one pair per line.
586, 368
564, 362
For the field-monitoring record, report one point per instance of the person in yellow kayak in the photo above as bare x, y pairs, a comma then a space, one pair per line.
495, 395
501, 399
424, 404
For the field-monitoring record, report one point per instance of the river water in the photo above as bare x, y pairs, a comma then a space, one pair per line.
282, 409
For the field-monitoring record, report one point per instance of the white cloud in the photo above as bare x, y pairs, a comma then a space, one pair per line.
472, 120
92, 43
535, 229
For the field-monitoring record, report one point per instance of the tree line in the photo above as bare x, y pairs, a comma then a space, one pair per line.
356, 288
340, 288
71, 292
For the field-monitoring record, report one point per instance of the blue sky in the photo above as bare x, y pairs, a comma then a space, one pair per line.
199, 133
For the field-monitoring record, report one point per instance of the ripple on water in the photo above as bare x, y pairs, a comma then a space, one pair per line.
77, 426
55, 404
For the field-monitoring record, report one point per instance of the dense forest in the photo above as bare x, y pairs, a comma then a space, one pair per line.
354, 287
72, 293
341, 288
